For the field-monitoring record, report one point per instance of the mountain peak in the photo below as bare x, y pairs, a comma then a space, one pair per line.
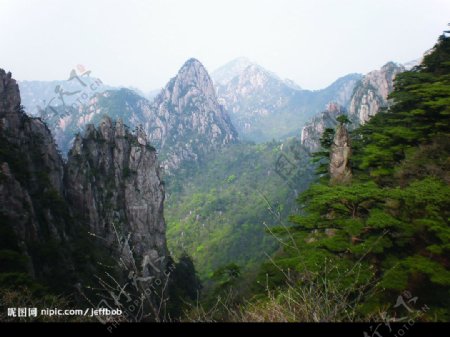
390, 65
193, 71
230, 70
10, 90
192, 62
257, 99
191, 75
240, 62
187, 108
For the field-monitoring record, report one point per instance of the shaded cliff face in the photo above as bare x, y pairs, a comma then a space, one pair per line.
312, 131
371, 93
35, 221
113, 178
186, 120
48, 208
31, 165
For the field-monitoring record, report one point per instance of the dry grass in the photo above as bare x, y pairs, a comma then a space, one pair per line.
317, 298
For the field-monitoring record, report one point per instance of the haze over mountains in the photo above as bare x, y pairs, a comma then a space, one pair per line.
226, 161
201, 126
264, 107
184, 188
242, 96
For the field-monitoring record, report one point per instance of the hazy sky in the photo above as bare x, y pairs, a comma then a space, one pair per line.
144, 43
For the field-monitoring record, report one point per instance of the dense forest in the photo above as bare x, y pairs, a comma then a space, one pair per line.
353, 248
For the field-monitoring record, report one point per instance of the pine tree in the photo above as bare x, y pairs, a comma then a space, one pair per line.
393, 219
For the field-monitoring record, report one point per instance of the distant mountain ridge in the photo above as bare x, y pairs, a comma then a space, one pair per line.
37, 95
184, 121
192, 115
262, 106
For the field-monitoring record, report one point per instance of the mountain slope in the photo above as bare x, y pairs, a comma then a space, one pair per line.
57, 220
74, 92
385, 227
372, 92
369, 96
218, 212
186, 121
263, 107
66, 121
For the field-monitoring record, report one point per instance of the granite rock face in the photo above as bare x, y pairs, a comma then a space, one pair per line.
369, 96
34, 218
340, 152
30, 165
372, 92
186, 121
113, 178
312, 132
110, 187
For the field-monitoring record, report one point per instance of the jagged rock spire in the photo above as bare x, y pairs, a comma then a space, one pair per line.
186, 121
340, 171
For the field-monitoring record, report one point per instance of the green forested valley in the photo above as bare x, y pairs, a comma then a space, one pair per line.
353, 246
168, 202
219, 212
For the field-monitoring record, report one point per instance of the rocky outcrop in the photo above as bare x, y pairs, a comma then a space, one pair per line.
313, 130
186, 121
340, 152
372, 92
110, 187
369, 96
35, 221
66, 121
113, 178
30, 166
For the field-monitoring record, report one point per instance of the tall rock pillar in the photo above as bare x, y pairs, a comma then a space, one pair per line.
340, 171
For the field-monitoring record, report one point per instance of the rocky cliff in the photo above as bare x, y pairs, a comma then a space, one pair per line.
340, 152
32, 206
369, 96
113, 179
110, 187
186, 121
312, 131
371, 93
